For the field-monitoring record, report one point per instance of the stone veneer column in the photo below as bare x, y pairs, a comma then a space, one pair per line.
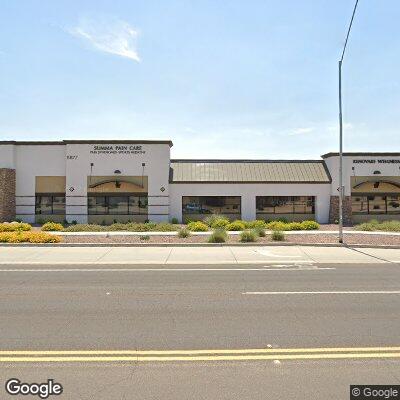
7, 194
334, 210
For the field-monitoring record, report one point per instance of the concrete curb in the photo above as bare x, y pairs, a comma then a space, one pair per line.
174, 233
283, 244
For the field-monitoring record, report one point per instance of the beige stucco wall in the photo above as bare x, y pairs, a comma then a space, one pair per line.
79, 158
386, 169
248, 193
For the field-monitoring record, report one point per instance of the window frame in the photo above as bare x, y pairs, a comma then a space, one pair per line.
292, 201
52, 195
127, 196
387, 211
237, 211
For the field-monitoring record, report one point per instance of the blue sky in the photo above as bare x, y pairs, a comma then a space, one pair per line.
222, 79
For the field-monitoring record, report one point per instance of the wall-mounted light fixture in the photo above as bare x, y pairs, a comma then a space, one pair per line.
143, 165
377, 172
117, 171
91, 172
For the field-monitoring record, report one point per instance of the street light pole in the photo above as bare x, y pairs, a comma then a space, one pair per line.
340, 157
341, 187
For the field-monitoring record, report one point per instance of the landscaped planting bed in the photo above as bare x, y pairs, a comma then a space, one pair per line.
214, 228
294, 238
208, 224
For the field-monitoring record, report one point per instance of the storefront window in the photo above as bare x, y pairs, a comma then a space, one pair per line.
48, 204
372, 204
377, 204
211, 205
359, 205
393, 204
138, 204
285, 204
117, 205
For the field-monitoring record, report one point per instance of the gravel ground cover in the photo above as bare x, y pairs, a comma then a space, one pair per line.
301, 238
323, 227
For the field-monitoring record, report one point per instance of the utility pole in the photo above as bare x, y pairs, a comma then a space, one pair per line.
341, 187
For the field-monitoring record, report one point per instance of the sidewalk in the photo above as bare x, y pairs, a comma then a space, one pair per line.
195, 255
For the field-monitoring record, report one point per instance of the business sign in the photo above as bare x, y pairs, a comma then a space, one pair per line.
376, 161
117, 149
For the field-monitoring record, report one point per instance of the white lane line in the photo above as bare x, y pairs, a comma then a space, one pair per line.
161, 269
330, 292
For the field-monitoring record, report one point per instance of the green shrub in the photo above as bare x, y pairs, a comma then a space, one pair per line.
220, 223
183, 233
28, 237
85, 228
138, 227
309, 225
150, 225
248, 236
260, 231
164, 227
294, 226
52, 226
118, 227
15, 227
211, 219
174, 221
237, 225
374, 225
142, 227
277, 226
390, 226
365, 226
258, 223
144, 237
277, 236
218, 236
197, 226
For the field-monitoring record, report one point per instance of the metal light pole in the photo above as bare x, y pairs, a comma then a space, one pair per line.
341, 187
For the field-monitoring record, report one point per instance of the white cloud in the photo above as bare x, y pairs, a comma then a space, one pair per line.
110, 36
300, 131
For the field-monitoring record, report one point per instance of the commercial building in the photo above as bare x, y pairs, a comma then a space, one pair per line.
135, 180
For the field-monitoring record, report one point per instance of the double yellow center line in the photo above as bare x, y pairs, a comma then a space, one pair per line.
321, 353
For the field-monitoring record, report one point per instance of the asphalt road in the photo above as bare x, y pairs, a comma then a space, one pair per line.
203, 307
